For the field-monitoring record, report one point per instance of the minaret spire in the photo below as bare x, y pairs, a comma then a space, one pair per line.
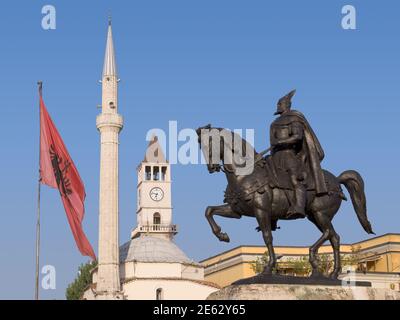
109, 123
109, 68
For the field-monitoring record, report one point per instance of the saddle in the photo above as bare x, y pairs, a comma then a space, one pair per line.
276, 178
279, 178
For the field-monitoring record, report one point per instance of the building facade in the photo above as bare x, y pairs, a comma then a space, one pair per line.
376, 260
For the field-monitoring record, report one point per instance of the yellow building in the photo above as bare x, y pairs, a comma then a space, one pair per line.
375, 258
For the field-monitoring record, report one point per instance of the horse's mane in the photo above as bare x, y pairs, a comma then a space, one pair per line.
247, 148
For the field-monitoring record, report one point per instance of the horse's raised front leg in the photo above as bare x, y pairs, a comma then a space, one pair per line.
223, 211
264, 222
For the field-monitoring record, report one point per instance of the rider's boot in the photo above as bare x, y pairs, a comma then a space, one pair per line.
298, 208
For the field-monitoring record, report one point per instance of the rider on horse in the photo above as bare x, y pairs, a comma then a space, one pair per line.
295, 149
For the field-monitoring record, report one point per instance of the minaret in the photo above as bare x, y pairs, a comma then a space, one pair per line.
109, 123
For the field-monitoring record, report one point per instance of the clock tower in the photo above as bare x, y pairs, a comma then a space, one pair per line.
154, 207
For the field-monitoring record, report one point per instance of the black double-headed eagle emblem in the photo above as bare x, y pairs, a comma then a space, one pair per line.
60, 168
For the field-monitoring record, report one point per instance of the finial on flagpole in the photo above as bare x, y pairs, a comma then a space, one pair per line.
40, 85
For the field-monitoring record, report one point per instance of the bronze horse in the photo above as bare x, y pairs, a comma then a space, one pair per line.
246, 196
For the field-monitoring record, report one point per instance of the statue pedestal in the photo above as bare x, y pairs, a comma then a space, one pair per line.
301, 292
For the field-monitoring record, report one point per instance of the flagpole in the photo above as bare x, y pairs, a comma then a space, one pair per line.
40, 83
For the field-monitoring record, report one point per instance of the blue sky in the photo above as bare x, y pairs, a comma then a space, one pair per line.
196, 62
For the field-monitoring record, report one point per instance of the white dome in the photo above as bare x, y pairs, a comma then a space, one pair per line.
146, 248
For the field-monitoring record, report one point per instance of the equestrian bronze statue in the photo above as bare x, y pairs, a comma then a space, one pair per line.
286, 184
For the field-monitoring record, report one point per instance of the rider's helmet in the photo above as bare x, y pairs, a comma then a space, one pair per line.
285, 103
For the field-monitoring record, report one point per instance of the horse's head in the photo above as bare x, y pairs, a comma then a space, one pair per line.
210, 152
229, 148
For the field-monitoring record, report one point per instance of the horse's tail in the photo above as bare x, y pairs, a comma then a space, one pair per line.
355, 185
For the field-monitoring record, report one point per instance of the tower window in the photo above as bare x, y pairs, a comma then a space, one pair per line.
159, 294
112, 106
147, 175
163, 173
157, 219
156, 173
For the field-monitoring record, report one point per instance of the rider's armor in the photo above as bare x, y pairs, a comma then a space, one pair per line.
286, 135
294, 143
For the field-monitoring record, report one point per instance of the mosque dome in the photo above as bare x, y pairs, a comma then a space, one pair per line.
148, 248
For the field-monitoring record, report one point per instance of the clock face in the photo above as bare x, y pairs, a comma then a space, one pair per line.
156, 194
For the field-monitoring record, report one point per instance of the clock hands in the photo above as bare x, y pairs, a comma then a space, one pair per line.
156, 194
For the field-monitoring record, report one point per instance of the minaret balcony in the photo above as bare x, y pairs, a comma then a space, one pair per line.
109, 120
155, 228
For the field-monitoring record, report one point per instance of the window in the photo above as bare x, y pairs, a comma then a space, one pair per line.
156, 218
159, 294
147, 175
163, 173
156, 173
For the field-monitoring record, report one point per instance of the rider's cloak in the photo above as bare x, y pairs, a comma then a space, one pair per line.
311, 152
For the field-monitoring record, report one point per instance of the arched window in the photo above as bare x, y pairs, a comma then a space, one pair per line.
159, 294
156, 219
156, 173
163, 173
147, 175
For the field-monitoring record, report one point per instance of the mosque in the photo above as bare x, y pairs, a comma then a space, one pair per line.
150, 265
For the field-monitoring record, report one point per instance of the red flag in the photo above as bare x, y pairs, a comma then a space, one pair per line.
57, 170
